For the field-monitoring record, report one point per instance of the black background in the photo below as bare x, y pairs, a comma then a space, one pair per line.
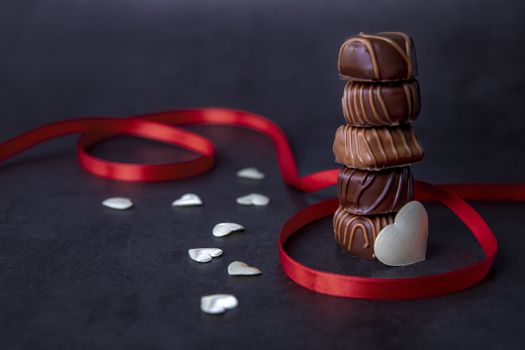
76, 275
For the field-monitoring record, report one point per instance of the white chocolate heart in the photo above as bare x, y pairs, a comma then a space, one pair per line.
218, 303
225, 228
119, 203
189, 199
204, 255
239, 268
405, 241
253, 199
251, 173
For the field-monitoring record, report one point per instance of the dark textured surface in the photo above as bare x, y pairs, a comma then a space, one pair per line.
76, 275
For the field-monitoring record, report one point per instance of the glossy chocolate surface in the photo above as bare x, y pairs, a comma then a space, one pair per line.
375, 192
376, 148
386, 56
379, 104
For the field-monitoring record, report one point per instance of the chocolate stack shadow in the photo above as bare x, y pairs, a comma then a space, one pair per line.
380, 100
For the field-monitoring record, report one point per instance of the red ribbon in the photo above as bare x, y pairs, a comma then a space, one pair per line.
163, 127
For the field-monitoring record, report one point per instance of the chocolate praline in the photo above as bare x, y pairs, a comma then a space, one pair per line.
379, 104
365, 192
376, 148
386, 56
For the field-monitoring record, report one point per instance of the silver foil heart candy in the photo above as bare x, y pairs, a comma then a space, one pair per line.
187, 200
118, 203
405, 241
204, 255
218, 303
225, 228
253, 199
239, 268
251, 173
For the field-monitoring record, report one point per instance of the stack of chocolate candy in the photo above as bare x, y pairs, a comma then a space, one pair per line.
377, 143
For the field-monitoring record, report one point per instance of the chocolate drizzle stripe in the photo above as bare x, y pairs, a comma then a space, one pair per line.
360, 152
394, 149
382, 103
357, 194
348, 186
372, 102
382, 149
366, 181
410, 151
399, 187
348, 243
361, 104
345, 141
338, 222
356, 106
345, 230
348, 183
363, 231
354, 148
362, 100
370, 152
406, 146
384, 193
349, 110
350, 106
353, 105
365, 236
364, 116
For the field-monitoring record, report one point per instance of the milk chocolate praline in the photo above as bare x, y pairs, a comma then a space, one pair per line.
387, 56
365, 192
379, 104
356, 234
376, 148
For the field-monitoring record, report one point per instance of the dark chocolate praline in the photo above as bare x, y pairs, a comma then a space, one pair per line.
365, 192
386, 56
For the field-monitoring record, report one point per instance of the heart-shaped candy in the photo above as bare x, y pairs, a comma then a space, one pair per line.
204, 255
119, 203
218, 303
253, 199
239, 268
405, 241
225, 228
251, 173
189, 199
